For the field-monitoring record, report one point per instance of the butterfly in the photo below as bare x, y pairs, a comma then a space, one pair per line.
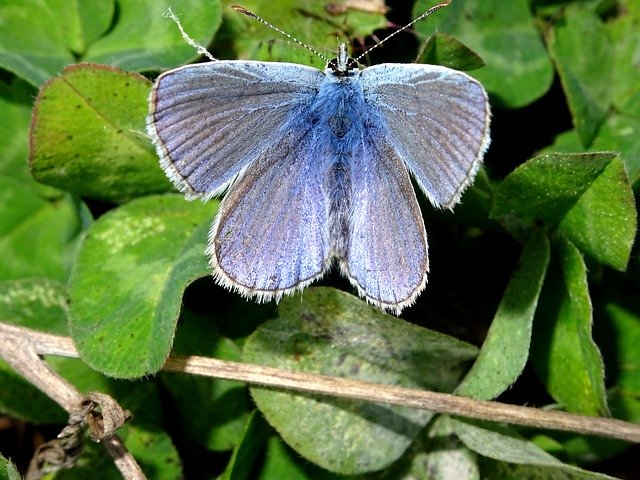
317, 167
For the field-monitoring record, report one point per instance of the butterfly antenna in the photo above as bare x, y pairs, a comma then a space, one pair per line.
199, 48
424, 15
249, 13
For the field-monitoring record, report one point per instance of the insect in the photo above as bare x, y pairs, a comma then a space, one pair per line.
316, 166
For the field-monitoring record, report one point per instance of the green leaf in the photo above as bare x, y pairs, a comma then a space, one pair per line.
603, 221
306, 20
126, 287
626, 338
212, 411
581, 50
563, 351
155, 43
38, 236
619, 132
624, 34
443, 49
527, 460
444, 457
15, 115
518, 70
82, 22
505, 351
42, 305
153, 450
87, 135
8, 470
548, 186
281, 462
246, 454
36, 303
38, 37
329, 332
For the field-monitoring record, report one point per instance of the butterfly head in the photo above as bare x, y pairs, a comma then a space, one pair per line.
343, 65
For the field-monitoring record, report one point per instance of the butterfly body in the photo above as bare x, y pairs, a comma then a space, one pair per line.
317, 167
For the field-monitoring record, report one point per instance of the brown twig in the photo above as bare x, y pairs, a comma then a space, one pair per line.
373, 392
21, 348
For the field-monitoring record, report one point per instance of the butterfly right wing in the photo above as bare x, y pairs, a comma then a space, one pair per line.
209, 121
437, 120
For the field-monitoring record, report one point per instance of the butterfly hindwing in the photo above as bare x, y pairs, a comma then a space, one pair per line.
386, 256
271, 236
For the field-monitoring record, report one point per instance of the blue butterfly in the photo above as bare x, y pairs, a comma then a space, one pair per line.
316, 167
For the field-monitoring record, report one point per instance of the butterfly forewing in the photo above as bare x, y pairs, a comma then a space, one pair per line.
207, 124
437, 120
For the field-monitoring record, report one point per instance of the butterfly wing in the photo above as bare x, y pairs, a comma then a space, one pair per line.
437, 120
209, 121
386, 256
271, 236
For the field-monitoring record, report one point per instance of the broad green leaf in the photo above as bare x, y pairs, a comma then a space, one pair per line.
624, 32
82, 22
548, 186
15, 115
619, 132
36, 303
500, 443
212, 411
565, 356
581, 50
281, 462
38, 38
246, 455
443, 49
625, 335
329, 332
517, 69
8, 470
42, 305
506, 471
126, 287
144, 39
505, 351
603, 223
306, 20
38, 236
154, 451
88, 135
444, 457
527, 460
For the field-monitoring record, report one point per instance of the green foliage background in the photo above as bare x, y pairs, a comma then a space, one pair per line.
537, 267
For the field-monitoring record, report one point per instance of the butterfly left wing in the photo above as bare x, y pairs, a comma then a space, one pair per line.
209, 121
271, 236
386, 254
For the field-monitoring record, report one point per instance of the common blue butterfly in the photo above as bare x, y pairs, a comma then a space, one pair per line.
316, 166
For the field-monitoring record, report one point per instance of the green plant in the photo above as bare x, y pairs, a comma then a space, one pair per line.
536, 266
